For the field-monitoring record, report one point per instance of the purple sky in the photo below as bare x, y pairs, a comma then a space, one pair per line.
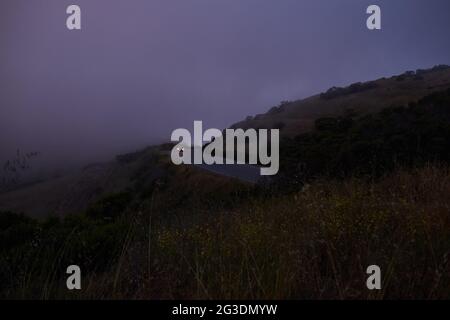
142, 68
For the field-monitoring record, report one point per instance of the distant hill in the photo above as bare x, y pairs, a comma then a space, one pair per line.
297, 117
135, 174
372, 145
140, 171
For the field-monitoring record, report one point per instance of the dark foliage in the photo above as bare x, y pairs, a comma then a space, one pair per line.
335, 92
34, 253
370, 145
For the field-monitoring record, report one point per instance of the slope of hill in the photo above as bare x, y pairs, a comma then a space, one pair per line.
372, 145
67, 194
312, 244
297, 117
376, 193
135, 173
74, 193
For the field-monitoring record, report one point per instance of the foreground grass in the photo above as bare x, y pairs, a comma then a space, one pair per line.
314, 244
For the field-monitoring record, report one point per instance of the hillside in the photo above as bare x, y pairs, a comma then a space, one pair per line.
312, 244
353, 191
136, 172
74, 193
298, 117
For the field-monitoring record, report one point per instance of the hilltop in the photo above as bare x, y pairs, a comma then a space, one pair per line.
297, 117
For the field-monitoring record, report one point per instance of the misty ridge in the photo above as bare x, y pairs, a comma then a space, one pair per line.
290, 117
85, 97
35, 177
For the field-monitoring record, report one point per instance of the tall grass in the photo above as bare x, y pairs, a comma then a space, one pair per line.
313, 244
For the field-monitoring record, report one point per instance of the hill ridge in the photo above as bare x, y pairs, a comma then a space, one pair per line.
296, 117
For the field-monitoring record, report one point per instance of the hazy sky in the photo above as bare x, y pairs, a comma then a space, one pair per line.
142, 68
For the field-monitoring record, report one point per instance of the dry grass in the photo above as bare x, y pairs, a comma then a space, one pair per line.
315, 244
299, 116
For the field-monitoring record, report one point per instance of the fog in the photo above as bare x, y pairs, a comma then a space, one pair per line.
139, 69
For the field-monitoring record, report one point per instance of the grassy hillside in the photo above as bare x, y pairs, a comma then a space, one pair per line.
370, 145
355, 190
315, 243
135, 172
73, 193
298, 117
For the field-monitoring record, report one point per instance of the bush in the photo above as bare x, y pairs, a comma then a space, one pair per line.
35, 254
110, 207
335, 92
